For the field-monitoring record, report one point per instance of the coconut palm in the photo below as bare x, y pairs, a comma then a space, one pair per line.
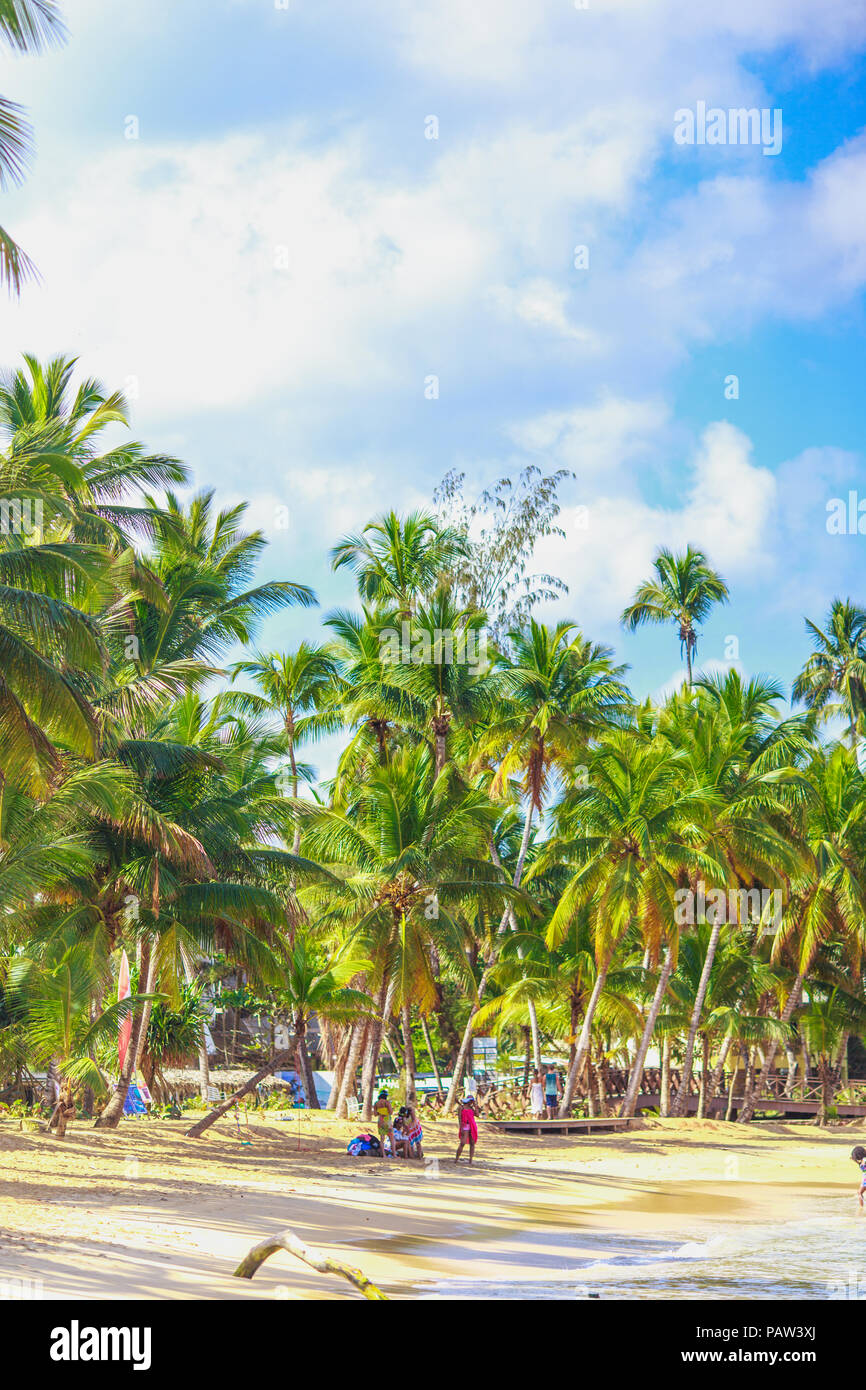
828, 895
45, 415
295, 686
825, 1024
312, 983
833, 679
734, 748
556, 689
442, 670
55, 995
684, 591
26, 26
399, 560
409, 848
631, 835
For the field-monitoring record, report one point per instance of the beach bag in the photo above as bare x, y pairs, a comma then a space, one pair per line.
363, 1144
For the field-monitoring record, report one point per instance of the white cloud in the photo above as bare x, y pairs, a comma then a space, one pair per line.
727, 510
594, 439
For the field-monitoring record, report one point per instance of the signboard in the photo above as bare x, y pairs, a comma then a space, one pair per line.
484, 1052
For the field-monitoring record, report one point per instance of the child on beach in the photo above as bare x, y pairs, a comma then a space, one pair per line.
382, 1111
859, 1156
468, 1128
414, 1132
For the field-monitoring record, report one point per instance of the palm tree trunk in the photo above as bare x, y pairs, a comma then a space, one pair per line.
825, 1100
591, 1097
203, 1066
281, 1060
533, 1029
583, 1042
527, 1054
441, 754
408, 1051
113, 1112
296, 837
601, 1080
792, 1070
304, 1065
686, 1073
340, 1068
384, 1004
705, 1067
719, 1068
735, 1070
347, 1087
748, 1109
432, 1055
389, 1048
665, 1097
64, 1109
636, 1072
804, 1080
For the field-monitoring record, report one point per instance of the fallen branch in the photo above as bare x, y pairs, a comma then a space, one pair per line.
287, 1240
282, 1059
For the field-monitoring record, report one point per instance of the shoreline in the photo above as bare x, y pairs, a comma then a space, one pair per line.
142, 1212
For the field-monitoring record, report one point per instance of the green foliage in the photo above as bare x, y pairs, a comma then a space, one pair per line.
504, 842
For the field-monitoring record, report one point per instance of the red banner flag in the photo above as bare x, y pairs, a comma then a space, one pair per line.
123, 992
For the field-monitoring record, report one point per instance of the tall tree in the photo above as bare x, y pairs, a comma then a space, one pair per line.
833, 679
399, 560
26, 26
683, 592
502, 528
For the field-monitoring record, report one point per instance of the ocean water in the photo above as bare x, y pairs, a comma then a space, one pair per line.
821, 1256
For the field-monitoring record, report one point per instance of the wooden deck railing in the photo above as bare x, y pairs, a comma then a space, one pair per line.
496, 1102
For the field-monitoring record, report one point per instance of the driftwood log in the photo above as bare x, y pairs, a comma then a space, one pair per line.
325, 1264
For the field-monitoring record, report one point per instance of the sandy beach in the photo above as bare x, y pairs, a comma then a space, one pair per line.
143, 1212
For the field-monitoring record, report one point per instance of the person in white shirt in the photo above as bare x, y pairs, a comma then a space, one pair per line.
536, 1095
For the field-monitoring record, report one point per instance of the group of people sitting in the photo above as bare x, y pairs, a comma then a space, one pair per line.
403, 1130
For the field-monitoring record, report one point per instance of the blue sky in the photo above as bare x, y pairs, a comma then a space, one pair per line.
279, 260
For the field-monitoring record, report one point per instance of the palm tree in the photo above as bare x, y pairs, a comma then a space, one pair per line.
444, 674
311, 983
683, 592
825, 1025
631, 836
833, 680
556, 689
55, 994
409, 848
49, 636
26, 26
734, 750
828, 894
398, 560
295, 685
42, 415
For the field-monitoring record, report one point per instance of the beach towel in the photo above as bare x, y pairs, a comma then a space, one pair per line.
467, 1121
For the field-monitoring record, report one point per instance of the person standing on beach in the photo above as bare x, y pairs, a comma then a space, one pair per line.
414, 1132
468, 1128
536, 1096
552, 1091
385, 1124
859, 1156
